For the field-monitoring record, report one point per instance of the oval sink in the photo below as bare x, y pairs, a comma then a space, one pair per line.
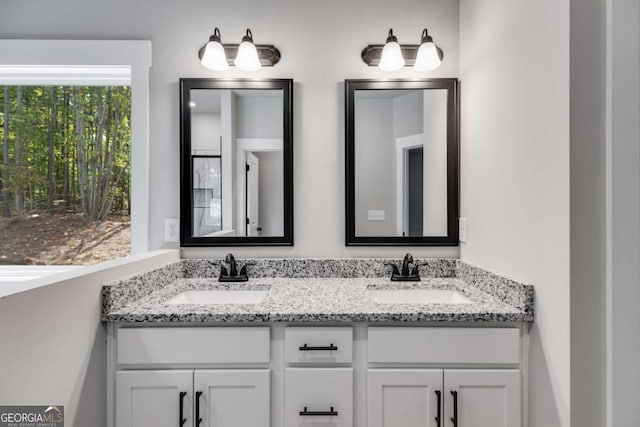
418, 296
218, 296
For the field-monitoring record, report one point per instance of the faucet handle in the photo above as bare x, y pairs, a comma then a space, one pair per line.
415, 271
243, 270
394, 268
223, 270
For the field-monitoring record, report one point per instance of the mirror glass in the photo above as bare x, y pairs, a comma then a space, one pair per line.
237, 138
400, 138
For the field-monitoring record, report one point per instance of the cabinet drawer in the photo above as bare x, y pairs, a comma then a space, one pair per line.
161, 346
444, 345
318, 345
318, 397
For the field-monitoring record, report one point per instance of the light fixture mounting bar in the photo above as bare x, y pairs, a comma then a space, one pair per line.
372, 53
268, 54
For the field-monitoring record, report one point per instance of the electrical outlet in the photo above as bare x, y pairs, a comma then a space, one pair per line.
375, 215
462, 229
171, 230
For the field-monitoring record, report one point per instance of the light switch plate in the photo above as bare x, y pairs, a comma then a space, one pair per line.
375, 215
171, 230
462, 229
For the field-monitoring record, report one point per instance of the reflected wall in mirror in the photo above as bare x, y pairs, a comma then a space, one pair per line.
237, 162
402, 162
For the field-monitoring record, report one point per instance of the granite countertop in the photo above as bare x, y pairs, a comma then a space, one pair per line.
318, 299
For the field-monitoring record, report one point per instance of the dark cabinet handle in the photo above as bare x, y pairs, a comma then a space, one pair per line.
181, 419
198, 419
330, 347
454, 419
438, 414
329, 413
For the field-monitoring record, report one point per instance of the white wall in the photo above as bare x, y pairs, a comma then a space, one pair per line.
374, 171
435, 162
316, 56
588, 321
54, 346
205, 133
408, 114
623, 215
514, 70
259, 117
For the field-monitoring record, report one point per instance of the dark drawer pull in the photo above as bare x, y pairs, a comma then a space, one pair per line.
438, 409
181, 419
329, 413
454, 419
330, 347
198, 419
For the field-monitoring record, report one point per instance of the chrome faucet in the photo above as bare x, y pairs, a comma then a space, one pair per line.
406, 274
232, 274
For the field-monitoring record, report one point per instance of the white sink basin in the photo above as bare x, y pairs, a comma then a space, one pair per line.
418, 296
218, 297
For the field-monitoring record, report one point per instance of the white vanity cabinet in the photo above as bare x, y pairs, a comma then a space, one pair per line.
436, 397
318, 388
154, 398
318, 396
484, 398
235, 397
192, 376
281, 375
220, 398
404, 397
466, 390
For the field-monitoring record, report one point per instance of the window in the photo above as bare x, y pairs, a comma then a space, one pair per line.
64, 174
93, 63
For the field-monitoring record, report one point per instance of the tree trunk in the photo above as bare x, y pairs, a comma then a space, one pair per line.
65, 152
81, 160
6, 198
20, 169
51, 160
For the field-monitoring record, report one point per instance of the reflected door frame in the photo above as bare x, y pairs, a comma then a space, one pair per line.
244, 146
403, 145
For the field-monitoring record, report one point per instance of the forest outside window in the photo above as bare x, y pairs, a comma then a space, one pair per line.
64, 173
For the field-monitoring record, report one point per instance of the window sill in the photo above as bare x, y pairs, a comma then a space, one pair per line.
32, 277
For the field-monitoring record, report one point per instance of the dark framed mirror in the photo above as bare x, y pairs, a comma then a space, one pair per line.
236, 167
402, 162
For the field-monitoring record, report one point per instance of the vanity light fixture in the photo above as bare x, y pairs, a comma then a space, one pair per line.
214, 56
247, 56
429, 56
392, 56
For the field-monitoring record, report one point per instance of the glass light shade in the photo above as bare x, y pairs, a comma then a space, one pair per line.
247, 58
427, 58
214, 57
391, 58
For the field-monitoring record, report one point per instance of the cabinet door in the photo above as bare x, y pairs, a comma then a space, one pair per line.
232, 398
404, 397
485, 398
153, 398
318, 397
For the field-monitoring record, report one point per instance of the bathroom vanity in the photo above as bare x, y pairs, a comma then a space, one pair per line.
318, 342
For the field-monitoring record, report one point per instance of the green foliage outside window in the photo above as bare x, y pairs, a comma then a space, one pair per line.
65, 149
